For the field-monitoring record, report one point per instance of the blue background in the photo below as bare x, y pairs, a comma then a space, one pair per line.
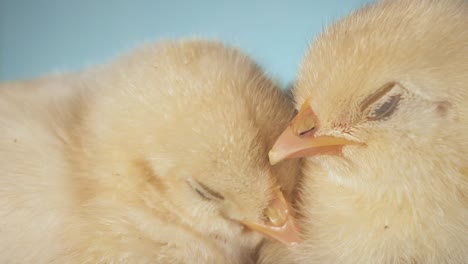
44, 36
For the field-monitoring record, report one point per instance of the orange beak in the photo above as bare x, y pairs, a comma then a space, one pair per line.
298, 140
278, 223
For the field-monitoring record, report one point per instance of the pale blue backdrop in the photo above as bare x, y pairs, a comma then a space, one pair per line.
43, 36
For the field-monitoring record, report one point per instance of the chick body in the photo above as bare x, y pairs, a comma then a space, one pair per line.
391, 77
155, 158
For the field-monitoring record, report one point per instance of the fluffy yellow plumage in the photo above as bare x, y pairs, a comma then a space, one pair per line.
158, 157
383, 94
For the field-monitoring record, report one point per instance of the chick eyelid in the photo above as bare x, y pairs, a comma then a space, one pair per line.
204, 191
377, 95
202, 194
386, 108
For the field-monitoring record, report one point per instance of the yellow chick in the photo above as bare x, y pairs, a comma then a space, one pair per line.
158, 157
383, 120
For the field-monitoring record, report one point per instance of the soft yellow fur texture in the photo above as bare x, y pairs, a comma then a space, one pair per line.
96, 166
403, 198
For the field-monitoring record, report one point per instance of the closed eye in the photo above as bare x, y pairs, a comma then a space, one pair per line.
384, 110
383, 103
204, 191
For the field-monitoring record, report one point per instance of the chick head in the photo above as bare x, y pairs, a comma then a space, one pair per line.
203, 118
383, 94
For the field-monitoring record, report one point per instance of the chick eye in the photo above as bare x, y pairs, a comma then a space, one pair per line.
384, 110
203, 191
382, 104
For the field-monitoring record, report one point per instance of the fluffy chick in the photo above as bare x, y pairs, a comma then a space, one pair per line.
383, 121
158, 157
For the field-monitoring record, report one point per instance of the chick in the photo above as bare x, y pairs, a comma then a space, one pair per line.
383, 114
158, 157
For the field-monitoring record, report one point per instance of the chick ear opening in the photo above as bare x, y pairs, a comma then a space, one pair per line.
446, 110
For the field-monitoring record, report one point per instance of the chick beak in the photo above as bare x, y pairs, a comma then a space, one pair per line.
278, 223
298, 140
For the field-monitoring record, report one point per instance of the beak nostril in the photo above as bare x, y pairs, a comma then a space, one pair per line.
308, 132
277, 221
275, 216
305, 121
303, 126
